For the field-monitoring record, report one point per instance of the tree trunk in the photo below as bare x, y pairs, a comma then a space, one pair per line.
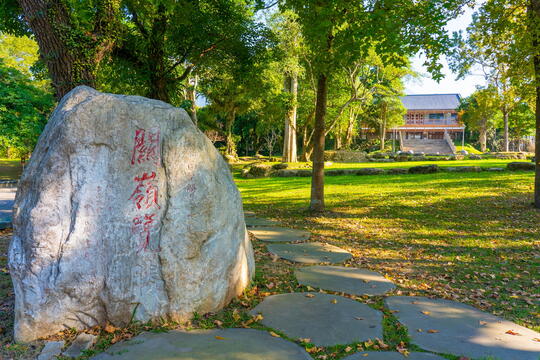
534, 23
289, 140
191, 95
317, 181
307, 149
231, 146
383, 125
483, 139
69, 66
506, 131
350, 128
156, 66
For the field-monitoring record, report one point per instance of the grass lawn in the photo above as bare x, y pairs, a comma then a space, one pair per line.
471, 237
404, 164
10, 169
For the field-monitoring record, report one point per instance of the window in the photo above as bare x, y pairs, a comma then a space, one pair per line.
436, 116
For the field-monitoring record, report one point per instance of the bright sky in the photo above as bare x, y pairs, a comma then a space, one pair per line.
426, 85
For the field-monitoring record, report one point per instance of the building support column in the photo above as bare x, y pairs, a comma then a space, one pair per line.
463, 138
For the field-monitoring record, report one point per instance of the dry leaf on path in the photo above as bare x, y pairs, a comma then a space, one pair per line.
274, 334
432, 331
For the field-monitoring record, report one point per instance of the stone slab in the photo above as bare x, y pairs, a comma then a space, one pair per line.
344, 279
226, 344
387, 355
82, 342
325, 319
279, 234
7, 198
310, 253
461, 329
51, 350
252, 221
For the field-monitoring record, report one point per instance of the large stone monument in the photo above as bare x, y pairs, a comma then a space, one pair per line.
125, 209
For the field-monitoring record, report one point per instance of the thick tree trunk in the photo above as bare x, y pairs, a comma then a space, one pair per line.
483, 139
317, 181
156, 66
289, 140
68, 66
534, 24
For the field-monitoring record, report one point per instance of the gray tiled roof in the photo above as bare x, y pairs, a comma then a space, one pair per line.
431, 102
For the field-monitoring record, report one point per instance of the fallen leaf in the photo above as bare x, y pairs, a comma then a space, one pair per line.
220, 337
419, 330
333, 301
310, 295
218, 323
358, 318
432, 331
348, 349
536, 339
305, 340
425, 312
110, 329
511, 332
483, 323
274, 334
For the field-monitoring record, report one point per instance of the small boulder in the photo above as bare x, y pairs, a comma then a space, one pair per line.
521, 166
82, 342
494, 169
51, 350
475, 157
369, 171
397, 171
464, 169
280, 166
424, 169
259, 170
464, 152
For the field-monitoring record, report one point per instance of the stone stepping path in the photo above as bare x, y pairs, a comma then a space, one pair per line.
455, 328
279, 234
344, 279
310, 253
386, 355
7, 198
226, 344
325, 319
252, 221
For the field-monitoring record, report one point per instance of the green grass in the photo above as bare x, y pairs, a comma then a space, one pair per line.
405, 164
469, 149
10, 169
470, 237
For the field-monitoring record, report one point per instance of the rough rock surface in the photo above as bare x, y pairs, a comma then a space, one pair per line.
124, 208
424, 169
517, 166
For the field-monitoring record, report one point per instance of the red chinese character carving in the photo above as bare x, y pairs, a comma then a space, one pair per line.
146, 147
146, 191
142, 225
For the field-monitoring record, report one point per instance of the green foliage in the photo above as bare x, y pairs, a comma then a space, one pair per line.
24, 109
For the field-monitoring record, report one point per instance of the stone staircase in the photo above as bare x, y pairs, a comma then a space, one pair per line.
428, 146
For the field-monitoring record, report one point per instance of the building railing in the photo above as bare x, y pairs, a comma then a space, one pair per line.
450, 142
